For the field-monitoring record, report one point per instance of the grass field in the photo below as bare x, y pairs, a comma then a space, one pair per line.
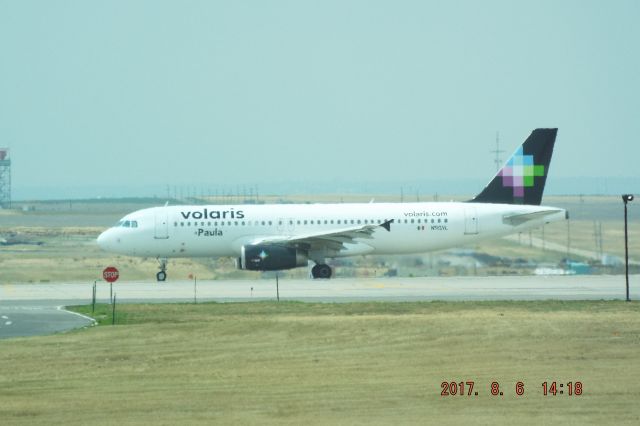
359, 363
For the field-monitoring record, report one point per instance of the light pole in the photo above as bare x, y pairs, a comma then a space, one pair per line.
625, 199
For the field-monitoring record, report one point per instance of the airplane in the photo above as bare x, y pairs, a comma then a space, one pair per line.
274, 237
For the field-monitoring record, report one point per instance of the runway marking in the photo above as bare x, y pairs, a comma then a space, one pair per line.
8, 323
5, 317
62, 309
386, 285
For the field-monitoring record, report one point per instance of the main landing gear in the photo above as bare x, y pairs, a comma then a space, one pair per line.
162, 275
321, 270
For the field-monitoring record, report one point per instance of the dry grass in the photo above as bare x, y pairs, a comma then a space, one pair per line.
71, 255
294, 363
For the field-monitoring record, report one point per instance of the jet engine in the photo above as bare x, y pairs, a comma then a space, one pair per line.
271, 257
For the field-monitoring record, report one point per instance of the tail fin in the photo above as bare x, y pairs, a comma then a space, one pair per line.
521, 180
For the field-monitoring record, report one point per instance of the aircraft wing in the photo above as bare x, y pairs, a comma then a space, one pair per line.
332, 240
520, 218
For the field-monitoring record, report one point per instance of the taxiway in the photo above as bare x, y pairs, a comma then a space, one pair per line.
34, 309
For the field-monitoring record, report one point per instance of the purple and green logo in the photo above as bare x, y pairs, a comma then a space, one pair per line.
519, 172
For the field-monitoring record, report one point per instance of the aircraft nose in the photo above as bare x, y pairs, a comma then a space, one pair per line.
105, 240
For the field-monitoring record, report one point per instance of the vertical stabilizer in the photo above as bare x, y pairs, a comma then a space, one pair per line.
521, 180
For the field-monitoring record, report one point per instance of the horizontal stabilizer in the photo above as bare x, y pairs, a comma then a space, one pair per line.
519, 219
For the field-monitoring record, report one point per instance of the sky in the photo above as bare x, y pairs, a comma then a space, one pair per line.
121, 98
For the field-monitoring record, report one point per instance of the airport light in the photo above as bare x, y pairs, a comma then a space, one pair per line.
625, 199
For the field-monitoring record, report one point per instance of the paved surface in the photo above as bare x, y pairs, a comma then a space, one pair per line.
32, 309
27, 318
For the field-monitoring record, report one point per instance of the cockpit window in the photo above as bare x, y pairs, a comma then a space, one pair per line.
127, 224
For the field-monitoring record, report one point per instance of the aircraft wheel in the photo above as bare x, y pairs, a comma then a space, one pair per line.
322, 271
161, 276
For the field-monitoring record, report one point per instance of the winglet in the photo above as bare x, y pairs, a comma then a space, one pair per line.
387, 225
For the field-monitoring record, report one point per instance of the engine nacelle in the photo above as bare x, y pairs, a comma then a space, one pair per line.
271, 257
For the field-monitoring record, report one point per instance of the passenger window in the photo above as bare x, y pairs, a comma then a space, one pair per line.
181, 223
358, 221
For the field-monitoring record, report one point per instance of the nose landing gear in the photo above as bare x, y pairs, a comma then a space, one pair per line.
162, 275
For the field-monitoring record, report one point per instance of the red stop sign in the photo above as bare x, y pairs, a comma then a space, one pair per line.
110, 274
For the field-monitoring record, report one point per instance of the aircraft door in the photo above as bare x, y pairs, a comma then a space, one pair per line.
470, 221
162, 224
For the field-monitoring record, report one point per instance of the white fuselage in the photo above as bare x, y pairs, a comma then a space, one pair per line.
219, 230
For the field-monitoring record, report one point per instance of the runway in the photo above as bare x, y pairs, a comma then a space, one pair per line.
32, 309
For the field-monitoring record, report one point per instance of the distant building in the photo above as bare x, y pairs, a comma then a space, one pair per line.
5, 178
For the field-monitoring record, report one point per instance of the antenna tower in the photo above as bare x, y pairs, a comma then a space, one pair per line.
497, 152
5, 178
